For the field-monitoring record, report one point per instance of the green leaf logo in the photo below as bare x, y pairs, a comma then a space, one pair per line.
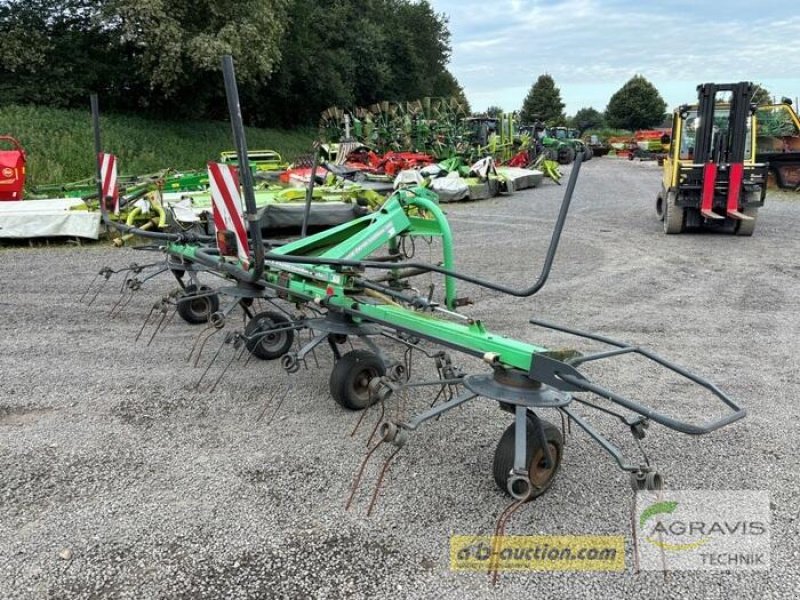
657, 508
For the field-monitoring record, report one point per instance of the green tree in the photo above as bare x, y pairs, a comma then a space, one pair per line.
354, 53
762, 95
293, 58
636, 105
494, 111
587, 118
57, 51
177, 46
446, 85
543, 103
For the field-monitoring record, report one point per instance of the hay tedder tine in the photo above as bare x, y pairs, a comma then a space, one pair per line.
125, 298
144, 323
379, 482
164, 311
235, 340
499, 533
106, 273
198, 345
225, 340
377, 423
360, 473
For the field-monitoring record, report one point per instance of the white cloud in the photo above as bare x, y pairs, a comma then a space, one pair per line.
593, 46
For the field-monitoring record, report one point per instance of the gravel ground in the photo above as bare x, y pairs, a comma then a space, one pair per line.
119, 480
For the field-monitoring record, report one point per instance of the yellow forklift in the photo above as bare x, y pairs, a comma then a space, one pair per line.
711, 177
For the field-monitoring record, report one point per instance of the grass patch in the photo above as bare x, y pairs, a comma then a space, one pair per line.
60, 146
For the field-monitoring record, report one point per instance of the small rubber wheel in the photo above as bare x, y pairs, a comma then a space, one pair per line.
268, 346
746, 228
197, 310
540, 475
350, 378
587, 154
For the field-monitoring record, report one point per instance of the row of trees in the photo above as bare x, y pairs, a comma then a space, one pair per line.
636, 105
293, 58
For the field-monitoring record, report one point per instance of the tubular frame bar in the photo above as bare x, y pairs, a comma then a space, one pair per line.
575, 379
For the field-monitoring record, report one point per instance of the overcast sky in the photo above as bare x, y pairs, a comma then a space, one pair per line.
592, 47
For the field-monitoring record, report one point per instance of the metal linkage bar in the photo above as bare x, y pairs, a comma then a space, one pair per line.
604, 443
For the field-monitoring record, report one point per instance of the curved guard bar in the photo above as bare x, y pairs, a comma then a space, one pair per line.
548, 368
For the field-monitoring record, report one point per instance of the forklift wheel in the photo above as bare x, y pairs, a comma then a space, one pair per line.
268, 346
540, 475
746, 228
673, 215
660, 207
350, 378
197, 310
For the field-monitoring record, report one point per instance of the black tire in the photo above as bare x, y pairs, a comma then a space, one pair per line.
350, 378
660, 206
587, 154
540, 476
197, 310
746, 228
673, 215
566, 155
268, 346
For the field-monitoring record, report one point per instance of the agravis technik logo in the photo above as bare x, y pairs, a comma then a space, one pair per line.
700, 530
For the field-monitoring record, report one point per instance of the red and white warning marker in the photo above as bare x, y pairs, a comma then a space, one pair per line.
108, 179
226, 203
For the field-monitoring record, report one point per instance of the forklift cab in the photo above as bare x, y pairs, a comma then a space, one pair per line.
691, 122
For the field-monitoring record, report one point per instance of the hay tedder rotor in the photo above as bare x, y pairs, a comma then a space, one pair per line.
356, 283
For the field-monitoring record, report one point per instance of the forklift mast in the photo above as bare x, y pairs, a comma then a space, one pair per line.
728, 146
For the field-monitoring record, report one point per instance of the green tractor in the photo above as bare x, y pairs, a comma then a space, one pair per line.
572, 139
555, 142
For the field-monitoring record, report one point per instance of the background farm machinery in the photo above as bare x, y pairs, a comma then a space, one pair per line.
438, 127
360, 283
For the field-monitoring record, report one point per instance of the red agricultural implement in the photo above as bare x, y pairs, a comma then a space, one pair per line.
12, 169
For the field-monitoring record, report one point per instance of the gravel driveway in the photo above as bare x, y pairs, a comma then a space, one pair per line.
119, 480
